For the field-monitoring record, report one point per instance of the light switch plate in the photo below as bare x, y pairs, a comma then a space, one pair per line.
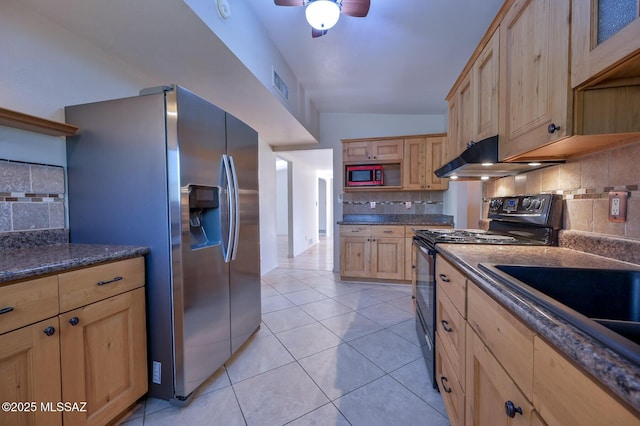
618, 206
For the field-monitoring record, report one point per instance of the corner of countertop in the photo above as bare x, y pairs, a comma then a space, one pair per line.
611, 246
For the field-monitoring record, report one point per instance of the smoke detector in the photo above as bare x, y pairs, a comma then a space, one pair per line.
224, 10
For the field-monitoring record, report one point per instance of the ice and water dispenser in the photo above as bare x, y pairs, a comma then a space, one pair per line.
204, 215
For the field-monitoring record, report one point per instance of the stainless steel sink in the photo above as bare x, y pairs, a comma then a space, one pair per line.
602, 303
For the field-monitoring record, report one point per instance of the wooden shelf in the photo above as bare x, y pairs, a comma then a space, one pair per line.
32, 123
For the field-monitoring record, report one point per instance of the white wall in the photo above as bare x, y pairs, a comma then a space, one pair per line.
282, 202
334, 127
305, 210
463, 201
268, 239
44, 68
246, 37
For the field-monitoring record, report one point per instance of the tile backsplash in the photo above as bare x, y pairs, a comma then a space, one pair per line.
31, 196
420, 202
584, 183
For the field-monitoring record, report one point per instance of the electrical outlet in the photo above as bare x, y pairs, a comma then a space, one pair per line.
407, 204
618, 206
373, 204
157, 369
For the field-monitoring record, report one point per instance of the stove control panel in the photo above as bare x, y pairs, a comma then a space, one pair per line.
538, 209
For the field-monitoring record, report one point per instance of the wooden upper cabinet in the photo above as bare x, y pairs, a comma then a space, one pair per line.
473, 107
535, 101
422, 156
372, 150
435, 157
413, 174
597, 45
484, 79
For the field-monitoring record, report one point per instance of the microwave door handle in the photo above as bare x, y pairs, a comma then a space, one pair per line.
236, 210
227, 175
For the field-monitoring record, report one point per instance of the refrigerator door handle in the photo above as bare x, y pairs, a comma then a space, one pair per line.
236, 197
230, 197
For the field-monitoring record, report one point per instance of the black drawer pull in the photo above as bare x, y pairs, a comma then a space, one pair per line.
444, 381
444, 278
110, 281
6, 310
445, 325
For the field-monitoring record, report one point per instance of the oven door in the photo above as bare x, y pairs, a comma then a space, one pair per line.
425, 303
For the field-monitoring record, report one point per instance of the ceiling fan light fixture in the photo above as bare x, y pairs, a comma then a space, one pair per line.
322, 14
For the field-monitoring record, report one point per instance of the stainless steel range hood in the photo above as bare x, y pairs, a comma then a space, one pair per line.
480, 160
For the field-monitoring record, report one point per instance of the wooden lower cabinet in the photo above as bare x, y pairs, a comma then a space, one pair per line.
30, 373
451, 389
493, 398
104, 358
376, 252
510, 375
564, 395
94, 354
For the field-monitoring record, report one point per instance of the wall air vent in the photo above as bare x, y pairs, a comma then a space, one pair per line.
280, 85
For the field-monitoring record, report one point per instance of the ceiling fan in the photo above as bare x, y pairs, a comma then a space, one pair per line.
324, 14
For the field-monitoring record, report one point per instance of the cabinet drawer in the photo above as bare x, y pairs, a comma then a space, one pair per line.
508, 339
452, 392
28, 302
450, 327
361, 230
387, 231
453, 283
84, 286
565, 395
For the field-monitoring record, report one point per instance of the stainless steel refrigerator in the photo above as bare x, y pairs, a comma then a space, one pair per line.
169, 170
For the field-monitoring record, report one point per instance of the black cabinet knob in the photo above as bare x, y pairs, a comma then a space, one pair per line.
50, 331
511, 409
552, 128
74, 321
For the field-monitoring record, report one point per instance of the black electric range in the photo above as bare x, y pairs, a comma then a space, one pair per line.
516, 220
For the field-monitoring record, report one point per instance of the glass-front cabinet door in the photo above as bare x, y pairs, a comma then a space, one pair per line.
604, 34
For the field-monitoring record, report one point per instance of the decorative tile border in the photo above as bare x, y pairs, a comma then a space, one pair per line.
31, 196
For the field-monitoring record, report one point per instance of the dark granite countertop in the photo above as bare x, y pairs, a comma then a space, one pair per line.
26, 263
615, 372
397, 219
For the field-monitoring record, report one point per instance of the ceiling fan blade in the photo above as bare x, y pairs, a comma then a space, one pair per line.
317, 33
289, 2
357, 8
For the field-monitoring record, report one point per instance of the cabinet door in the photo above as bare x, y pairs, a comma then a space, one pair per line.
354, 256
465, 114
409, 257
413, 173
566, 396
534, 75
449, 384
484, 80
104, 357
453, 145
387, 258
599, 44
387, 149
356, 151
30, 372
434, 158
489, 389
